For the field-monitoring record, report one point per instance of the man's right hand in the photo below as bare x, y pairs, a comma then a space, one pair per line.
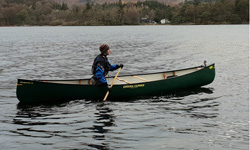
109, 88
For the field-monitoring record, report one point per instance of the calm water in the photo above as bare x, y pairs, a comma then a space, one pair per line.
214, 117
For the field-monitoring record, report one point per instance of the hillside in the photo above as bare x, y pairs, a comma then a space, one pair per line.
46, 12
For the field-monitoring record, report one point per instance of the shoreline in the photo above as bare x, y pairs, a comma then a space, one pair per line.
189, 24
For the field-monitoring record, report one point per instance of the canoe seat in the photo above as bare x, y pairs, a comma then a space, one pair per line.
164, 75
90, 82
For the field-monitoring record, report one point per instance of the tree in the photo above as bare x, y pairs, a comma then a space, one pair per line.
242, 9
235, 19
9, 15
120, 12
64, 6
206, 17
197, 2
218, 12
21, 17
190, 13
88, 6
131, 16
151, 14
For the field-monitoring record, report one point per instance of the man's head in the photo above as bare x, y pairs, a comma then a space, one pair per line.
104, 48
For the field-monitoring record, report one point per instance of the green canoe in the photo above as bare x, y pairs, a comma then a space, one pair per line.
125, 87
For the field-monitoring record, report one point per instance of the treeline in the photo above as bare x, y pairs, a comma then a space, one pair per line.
209, 12
48, 12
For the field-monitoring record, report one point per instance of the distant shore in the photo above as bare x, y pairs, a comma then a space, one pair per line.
188, 24
49, 13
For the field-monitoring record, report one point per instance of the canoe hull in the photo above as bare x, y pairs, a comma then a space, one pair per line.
42, 91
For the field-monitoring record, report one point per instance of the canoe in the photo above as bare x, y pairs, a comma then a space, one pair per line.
125, 87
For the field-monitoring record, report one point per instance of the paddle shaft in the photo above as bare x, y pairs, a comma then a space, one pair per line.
106, 96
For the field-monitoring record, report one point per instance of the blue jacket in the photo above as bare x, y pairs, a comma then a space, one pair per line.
101, 67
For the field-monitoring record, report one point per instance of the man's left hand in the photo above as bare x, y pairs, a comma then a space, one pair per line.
120, 66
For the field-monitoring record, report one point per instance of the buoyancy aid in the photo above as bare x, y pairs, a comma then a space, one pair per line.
102, 62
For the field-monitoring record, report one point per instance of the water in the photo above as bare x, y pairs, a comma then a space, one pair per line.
215, 116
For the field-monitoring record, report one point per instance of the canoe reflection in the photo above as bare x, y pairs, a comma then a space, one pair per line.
104, 119
195, 103
63, 121
93, 125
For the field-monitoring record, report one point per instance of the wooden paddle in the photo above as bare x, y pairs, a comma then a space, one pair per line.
106, 96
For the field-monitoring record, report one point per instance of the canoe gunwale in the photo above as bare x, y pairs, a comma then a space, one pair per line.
48, 81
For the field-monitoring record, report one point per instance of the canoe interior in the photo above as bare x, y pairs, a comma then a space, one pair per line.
132, 79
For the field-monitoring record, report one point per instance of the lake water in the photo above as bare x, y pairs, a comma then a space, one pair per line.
214, 117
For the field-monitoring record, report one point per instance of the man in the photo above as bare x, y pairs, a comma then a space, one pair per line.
101, 66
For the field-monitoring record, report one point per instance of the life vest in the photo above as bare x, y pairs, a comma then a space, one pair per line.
102, 62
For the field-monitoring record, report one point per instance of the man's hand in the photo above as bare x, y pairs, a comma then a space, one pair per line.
109, 87
120, 66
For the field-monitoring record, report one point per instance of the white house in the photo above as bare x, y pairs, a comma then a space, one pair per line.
165, 21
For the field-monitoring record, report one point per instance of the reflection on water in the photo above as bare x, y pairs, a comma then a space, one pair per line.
63, 120
104, 118
36, 120
181, 94
187, 103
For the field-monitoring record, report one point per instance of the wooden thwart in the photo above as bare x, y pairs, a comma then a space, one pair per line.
90, 82
164, 76
123, 80
141, 78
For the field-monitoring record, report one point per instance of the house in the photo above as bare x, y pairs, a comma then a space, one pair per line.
144, 20
147, 21
165, 21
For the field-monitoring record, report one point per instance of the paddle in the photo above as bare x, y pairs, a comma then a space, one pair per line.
106, 96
